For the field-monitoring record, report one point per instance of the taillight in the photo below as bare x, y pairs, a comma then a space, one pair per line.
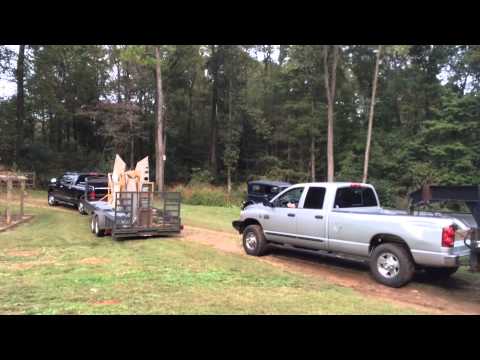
91, 195
355, 186
448, 236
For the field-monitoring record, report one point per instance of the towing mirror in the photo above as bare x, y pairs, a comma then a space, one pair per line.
268, 203
53, 180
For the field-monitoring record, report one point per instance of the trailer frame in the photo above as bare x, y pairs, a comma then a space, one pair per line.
138, 214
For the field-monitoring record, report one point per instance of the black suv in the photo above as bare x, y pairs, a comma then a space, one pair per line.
73, 187
263, 190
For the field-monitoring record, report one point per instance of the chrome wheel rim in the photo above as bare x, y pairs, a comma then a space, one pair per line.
96, 227
80, 207
250, 241
51, 200
92, 225
388, 265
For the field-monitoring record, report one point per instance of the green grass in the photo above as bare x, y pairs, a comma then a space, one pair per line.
210, 217
70, 271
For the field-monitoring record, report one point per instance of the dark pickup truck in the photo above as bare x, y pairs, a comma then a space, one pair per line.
74, 187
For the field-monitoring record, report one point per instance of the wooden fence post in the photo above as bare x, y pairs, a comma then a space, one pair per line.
22, 195
9, 198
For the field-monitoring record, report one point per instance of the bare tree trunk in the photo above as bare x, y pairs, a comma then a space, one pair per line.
213, 120
330, 90
132, 145
159, 146
190, 119
312, 157
20, 75
370, 115
229, 168
312, 146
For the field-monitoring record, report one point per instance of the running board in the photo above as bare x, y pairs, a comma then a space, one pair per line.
312, 251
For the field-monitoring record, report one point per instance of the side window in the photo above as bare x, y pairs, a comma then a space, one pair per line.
257, 189
315, 198
290, 199
355, 197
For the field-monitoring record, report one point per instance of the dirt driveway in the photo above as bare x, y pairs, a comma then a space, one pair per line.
453, 296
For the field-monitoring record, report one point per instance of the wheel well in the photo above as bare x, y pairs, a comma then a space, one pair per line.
387, 238
248, 222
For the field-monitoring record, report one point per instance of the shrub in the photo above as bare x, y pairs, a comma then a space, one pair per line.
209, 195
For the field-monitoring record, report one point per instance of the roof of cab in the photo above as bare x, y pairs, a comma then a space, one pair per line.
336, 184
270, 182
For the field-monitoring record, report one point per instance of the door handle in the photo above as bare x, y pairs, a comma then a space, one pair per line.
318, 217
291, 215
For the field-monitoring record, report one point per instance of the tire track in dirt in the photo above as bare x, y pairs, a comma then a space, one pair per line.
454, 296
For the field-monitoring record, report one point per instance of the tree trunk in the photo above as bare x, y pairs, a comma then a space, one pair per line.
330, 90
370, 115
20, 75
312, 145
229, 180
132, 145
159, 146
213, 120
190, 119
229, 167
312, 157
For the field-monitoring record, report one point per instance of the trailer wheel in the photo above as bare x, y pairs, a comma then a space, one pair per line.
254, 242
440, 273
392, 265
98, 232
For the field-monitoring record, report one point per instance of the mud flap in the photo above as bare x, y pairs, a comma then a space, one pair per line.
475, 251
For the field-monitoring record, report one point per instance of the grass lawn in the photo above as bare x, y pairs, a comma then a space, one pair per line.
210, 217
54, 265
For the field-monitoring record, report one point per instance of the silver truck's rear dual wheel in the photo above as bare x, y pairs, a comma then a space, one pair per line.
254, 242
392, 265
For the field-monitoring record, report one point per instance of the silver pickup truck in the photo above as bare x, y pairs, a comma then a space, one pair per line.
345, 219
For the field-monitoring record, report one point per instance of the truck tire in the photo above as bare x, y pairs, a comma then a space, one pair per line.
81, 207
51, 200
440, 273
92, 224
392, 265
98, 232
254, 242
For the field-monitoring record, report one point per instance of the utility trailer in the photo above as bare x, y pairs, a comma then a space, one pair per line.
467, 194
136, 214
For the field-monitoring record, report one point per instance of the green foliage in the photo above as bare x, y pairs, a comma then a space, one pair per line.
209, 195
84, 103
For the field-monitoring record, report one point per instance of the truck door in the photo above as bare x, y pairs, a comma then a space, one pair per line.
280, 222
311, 219
61, 192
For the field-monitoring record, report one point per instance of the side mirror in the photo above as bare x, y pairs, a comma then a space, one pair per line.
53, 181
268, 203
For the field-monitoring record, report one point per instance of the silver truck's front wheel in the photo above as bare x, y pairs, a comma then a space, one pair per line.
388, 265
254, 242
391, 264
